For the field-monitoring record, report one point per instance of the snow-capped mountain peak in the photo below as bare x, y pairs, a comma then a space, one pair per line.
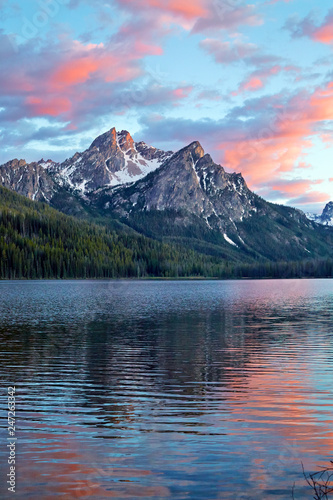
112, 159
47, 164
326, 218
186, 195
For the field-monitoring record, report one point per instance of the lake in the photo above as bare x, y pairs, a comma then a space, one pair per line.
167, 389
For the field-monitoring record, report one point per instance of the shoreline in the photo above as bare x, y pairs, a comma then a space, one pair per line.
188, 278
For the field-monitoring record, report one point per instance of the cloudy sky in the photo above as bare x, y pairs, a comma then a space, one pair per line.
252, 81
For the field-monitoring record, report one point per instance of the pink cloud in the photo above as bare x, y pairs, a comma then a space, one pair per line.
197, 15
227, 52
189, 10
313, 197
183, 8
304, 165
67, 82
63, 88
266, 148
74, 71
263, 158
253, 83
106, 63
295, 191
147, 49
64, 82
281, 143
260, 77
265, 139
295, 187
322, 33
63, 78
53, 106
164, 13
321, 103
182, 92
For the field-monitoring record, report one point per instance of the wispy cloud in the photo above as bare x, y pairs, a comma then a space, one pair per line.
267, 139
228, 52
308, 27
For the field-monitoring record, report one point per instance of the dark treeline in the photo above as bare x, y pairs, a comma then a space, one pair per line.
314, 268
38, 242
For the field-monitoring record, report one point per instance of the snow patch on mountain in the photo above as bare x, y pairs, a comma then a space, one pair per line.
226, 237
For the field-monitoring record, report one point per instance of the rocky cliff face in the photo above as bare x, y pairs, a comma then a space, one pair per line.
189, 181
192, 197
326, 218
29, 179
327, 215
112, 159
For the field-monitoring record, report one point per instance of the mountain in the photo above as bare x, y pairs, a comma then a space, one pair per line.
37, 241
188, 181
113, 158
29, 179
36, 182
326, 218
193, 201
181, 198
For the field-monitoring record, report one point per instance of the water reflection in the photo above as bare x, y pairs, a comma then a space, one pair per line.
168, 389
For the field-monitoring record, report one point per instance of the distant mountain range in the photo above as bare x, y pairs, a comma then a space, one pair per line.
112, 159
326, 218
180, 197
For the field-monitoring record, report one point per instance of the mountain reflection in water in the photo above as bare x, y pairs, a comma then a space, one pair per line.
177, 389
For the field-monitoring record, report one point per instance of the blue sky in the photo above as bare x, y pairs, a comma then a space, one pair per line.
252, 81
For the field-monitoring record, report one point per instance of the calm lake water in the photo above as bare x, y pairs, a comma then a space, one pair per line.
167, 390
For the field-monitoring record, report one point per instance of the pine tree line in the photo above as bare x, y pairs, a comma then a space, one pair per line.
38, 242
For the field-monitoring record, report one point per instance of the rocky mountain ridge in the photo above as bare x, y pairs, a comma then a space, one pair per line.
112, 159
29, 179
182, 197
191, 182
115, 161
326, 217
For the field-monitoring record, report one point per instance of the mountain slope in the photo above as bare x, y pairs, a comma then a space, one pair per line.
190, 181
192, 200
37, 241
182, 197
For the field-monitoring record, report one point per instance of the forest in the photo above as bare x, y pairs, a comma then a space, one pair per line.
38, 242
